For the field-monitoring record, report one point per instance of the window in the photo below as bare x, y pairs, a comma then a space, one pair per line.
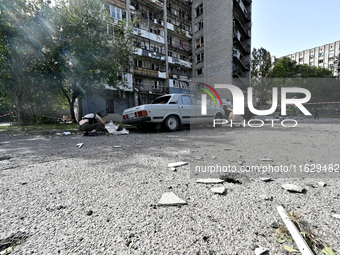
200, 71
311, 63
139, 83
199, 43
199, 26
185, 100
155, 84
199, 10
331, 52
321, 54
320, 61
116, 12
200, 57
301, 59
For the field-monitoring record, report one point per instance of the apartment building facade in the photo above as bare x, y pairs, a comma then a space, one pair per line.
322, 56
179, 43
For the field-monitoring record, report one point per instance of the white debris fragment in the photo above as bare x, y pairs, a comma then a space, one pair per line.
210, 180
79, 145
116, 146
177, 164
169, 198
260, 250
265, 159
218, 190
173, 169
66, 133
112, 129
265, 179
293, 187
321, 184
266, 197
337, 216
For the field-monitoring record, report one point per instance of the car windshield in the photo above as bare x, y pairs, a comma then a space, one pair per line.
161, 100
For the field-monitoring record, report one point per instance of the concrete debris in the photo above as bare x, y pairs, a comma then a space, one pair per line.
66, 133
210, 180
266, 179
265, 159
321, 184
79, 145
112, 129
173, 169
337, 216
293, 187
169, 198
266, 197
177, 164
274, 225
260, 250
219, 190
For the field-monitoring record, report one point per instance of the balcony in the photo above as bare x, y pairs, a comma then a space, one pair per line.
173, 60
145, 72
179, 30
242, 9
245, 29
150, 54
152, 36
244, 47
149, 88
184, 46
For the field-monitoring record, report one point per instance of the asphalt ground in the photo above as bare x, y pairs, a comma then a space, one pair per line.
102, 198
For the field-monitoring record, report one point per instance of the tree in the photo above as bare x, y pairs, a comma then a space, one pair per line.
337, 65
309, 77
22, 43
261, 65
87, 56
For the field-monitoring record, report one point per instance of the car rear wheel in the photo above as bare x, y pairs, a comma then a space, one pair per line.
218, 117
171, 123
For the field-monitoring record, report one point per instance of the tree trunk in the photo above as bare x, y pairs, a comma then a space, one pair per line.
73, 116
20, 111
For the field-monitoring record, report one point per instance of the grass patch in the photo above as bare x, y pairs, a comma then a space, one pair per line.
15, 128
284, 238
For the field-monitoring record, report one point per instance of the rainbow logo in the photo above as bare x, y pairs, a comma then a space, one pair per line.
204, 97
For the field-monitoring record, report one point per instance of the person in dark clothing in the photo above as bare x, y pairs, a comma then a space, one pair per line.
91, 124
316, 114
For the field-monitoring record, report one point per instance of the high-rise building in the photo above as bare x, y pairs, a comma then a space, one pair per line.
322, 56
180, 42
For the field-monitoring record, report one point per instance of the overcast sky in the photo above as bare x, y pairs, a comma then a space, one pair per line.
290, 26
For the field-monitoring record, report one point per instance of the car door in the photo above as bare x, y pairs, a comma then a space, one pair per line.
186, 109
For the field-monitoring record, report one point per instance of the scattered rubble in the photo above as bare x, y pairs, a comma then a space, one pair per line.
177, 164
219, 190
293, 188
210, 181
169, 198
260, 251
79, 145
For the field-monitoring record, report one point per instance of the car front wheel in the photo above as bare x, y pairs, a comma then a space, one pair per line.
171, 123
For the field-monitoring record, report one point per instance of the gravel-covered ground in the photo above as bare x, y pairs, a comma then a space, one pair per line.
99, 199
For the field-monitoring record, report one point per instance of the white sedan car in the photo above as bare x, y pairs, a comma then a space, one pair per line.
171, 111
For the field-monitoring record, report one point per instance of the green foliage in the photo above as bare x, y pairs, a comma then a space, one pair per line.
261, 66
64, 50
286, 73
23, 41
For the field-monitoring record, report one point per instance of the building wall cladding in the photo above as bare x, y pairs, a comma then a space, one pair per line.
218, 35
